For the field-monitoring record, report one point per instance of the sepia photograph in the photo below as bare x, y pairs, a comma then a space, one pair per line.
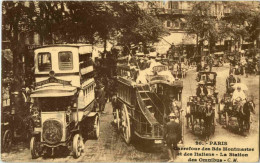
130, 81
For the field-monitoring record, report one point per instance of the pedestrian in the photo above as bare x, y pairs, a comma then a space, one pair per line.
101, 99
175, 70
208, 120
210, 62
203, 66
172, 135
183, 69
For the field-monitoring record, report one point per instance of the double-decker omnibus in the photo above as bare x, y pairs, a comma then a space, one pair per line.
138, 109
63, 99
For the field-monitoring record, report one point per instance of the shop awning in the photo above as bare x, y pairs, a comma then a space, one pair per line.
175, 38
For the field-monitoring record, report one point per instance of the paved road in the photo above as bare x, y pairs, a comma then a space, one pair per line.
111, 146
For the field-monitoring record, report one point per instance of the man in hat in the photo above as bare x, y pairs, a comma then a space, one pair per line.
208, 120
101, 97
230, 80
201, 90
210, 61
183, 69
172, 135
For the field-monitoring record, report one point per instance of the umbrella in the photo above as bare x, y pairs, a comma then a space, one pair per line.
241, 85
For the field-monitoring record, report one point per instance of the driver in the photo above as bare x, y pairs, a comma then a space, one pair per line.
238, 95
201, 91
230, 80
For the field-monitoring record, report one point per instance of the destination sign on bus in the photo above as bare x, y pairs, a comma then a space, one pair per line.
53, 80
160, 68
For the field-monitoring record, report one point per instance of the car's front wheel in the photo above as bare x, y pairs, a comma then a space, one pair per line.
78, 145
35, 147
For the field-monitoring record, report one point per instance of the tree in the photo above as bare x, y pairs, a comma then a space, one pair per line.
235, 22
123, 22
17, 22
202, 22
137, 25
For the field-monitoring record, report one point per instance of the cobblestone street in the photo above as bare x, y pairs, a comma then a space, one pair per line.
110, 147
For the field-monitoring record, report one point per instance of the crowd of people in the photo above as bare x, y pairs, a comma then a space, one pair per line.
244, 64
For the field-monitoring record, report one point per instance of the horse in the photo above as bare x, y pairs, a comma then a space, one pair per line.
248, 107
243, 114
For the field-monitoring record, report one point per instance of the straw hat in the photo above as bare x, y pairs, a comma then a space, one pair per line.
172, 115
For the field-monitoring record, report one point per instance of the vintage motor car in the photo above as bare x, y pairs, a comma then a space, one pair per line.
63, 99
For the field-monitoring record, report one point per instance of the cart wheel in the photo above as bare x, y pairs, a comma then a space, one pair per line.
117, 119
96, 127
7, 141
34, 148
77, 145
126, 125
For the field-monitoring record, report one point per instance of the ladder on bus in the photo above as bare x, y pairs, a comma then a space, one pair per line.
147, 103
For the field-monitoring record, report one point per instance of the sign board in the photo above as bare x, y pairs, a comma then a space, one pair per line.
53, 80
31, 47
160, 68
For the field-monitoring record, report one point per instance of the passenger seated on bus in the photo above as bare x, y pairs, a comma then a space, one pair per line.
141, 78
141, 64
133, 61
170, 77
134, 73
175, 108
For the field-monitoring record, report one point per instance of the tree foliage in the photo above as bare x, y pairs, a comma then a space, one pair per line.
242, 21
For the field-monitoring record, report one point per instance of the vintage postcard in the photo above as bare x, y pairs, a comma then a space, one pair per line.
130, 81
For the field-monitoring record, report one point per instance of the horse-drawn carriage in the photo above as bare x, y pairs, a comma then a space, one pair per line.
235, 113
139, 108
63, 99
200, 115
209, 81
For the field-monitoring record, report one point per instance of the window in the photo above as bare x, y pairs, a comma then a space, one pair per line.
44, 62
85, 61
176, 24
65, 60
49, 104
168, 24
175, 5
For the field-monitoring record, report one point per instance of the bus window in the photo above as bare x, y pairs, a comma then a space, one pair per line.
65, 60
44, 62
